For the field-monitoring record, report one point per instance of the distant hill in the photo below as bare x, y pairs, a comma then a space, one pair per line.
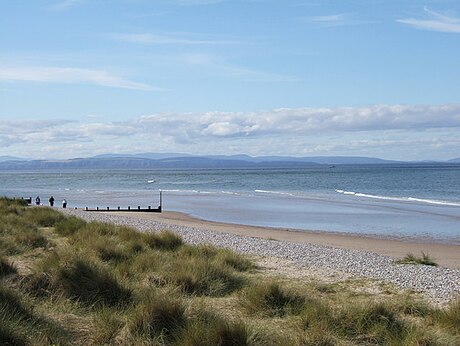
181, 161
336, 160
143, 163
9, 158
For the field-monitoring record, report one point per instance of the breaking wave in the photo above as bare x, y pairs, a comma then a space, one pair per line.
401, 199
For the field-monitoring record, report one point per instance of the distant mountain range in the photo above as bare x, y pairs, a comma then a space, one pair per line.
184, 161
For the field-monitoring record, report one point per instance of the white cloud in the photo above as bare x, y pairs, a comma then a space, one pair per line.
412, 130
70, 75
435, 22
339, 19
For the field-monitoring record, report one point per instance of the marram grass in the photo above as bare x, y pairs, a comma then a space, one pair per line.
64, 281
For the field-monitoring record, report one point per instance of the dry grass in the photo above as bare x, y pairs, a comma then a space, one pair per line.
96, 283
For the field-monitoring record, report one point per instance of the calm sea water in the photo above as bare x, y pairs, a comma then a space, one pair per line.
419, 202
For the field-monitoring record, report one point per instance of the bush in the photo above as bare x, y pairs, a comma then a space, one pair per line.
272, 299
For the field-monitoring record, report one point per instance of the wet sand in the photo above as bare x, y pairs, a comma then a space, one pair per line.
445, 255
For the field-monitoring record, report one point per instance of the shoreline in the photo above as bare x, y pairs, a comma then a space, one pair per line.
444, 254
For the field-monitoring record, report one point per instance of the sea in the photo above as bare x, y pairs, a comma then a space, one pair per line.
413, 202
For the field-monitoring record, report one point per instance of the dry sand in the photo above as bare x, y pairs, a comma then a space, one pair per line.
445, 255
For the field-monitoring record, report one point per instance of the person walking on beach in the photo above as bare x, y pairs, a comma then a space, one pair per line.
51, 200
37, 200
64, 204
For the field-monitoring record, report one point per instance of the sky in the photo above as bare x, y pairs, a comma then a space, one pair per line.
376, 78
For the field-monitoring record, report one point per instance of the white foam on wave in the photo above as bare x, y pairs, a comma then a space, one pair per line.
403, 199
187, 191
274, 192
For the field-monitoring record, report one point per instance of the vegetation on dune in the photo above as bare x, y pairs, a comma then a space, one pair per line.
66, 281
424, 259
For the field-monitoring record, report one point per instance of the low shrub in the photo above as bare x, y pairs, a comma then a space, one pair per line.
272, 299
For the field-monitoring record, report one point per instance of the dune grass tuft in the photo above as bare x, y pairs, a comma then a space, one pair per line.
6, 267
450, 317
83, 281
203, 277
19, 323
272, 299
159, 316
372, 323
43, 217
424, 259
164, 240
69, 225
207, 328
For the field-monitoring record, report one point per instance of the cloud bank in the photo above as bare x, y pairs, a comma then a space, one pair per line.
372, 130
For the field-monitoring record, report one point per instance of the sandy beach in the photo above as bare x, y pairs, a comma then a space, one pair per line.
445, 255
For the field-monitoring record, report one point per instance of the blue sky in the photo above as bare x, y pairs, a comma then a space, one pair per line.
260, 77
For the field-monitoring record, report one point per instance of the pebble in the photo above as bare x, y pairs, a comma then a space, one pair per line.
439, 285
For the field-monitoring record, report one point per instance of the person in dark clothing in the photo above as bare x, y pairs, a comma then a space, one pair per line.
51, 200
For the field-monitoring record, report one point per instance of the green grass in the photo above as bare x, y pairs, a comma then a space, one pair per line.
450, 317
66, 281
6, 267
159, 316
424, 259
273, 299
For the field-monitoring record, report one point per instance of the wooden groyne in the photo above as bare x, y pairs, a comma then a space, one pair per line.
149, 209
